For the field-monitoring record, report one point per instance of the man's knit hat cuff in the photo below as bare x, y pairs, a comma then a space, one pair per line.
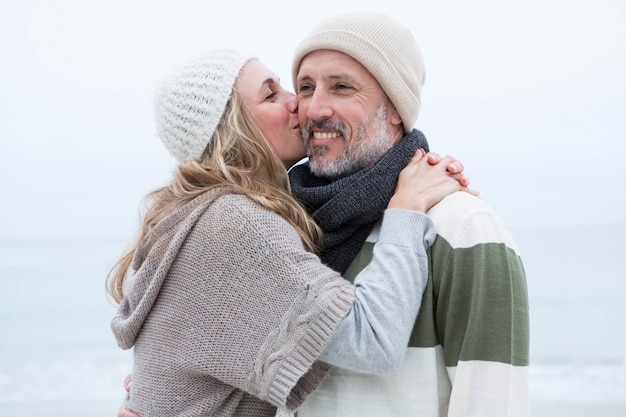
384, 47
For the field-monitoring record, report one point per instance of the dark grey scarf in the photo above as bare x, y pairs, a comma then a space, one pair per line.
348, 208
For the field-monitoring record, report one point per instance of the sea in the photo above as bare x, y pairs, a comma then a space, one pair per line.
58, 357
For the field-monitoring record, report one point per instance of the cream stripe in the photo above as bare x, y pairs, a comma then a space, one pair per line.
480, 383
481, 389
410, 392
457, 214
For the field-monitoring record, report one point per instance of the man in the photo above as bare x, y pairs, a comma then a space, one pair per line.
358, 78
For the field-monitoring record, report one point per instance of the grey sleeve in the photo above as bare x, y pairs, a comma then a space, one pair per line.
373, 336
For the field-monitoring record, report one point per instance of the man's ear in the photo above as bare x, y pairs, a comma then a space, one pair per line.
395, 117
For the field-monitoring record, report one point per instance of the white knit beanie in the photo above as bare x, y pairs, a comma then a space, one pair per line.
190, 102
383, 46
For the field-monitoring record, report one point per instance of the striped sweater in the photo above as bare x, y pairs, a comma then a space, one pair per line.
468, 354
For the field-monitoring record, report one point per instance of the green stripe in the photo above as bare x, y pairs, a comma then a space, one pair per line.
475, 303
363, 258
479, 299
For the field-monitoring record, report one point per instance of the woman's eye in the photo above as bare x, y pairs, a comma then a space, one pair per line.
272, 95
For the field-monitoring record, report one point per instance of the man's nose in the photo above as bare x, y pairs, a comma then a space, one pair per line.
319, 106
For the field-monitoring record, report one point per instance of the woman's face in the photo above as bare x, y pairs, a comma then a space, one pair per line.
275, 109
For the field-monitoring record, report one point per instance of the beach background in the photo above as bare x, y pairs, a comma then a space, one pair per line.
530, 95
58, 358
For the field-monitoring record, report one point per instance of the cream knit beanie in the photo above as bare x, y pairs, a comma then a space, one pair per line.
190, 102
383, 46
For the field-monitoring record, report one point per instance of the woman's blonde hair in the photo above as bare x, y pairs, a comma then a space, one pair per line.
238, 156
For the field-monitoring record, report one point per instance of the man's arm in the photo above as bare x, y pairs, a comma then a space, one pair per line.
482, 312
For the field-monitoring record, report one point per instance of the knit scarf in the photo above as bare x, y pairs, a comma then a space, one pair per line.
348, 208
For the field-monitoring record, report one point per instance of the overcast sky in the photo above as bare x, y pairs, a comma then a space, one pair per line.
529, 94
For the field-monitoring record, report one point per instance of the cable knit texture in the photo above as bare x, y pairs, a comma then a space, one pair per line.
220, 263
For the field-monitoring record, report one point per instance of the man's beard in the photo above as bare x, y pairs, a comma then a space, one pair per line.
369, 143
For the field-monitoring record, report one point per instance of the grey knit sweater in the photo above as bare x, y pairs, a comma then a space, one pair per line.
228, 313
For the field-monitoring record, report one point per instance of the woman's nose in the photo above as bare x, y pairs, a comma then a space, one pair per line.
292, 103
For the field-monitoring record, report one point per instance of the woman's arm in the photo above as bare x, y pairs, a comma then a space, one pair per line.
373, 336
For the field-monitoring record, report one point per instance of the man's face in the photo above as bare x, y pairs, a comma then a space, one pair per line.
347, 121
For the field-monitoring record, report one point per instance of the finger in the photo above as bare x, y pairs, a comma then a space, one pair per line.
462, 179
455, 167
433, 158
475, 193
127, 383
418, 155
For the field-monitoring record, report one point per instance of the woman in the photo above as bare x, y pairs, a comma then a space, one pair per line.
227, 307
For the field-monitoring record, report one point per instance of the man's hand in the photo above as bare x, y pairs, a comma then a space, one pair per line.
123, 412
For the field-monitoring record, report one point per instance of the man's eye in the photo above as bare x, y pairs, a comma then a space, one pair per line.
304, 89
343, 87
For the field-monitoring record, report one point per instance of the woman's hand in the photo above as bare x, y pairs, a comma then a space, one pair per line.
455, 167
426, 180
